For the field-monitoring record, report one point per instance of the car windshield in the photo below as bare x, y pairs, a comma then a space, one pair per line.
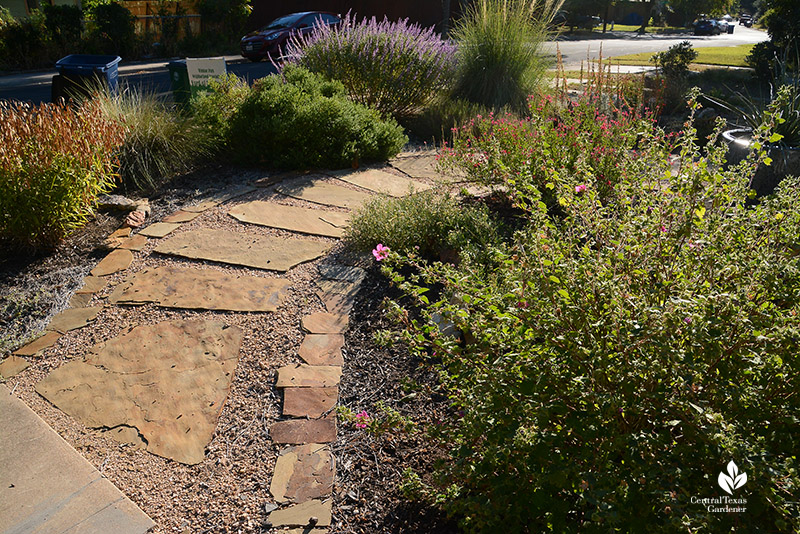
282, 22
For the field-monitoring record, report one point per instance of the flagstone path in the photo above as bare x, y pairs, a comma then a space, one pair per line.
162, 386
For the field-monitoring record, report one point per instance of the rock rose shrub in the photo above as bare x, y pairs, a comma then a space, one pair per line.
625, 350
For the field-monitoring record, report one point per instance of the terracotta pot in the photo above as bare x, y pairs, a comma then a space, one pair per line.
785, 161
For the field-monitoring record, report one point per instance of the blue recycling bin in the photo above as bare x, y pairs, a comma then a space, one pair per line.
77, 73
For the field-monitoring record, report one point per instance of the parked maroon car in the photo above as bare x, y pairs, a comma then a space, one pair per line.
271, 39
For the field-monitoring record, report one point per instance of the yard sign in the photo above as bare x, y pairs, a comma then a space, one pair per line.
201, 70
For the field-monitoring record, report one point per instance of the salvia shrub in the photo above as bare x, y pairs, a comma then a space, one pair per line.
301, 120
623, 353
394, 67
54, 163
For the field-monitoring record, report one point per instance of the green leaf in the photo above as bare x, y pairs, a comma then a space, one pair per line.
563, 293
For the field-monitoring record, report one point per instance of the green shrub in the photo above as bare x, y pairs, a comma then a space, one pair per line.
112, 30
674, 62
623, 353
429, 223
215, 108
159, 142
24, 42
394, 67
441, 116
54, 163
64, 26
498, 58
301, 120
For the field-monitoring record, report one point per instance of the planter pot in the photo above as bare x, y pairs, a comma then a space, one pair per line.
785, 161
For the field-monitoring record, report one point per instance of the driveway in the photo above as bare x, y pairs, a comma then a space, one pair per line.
575, 51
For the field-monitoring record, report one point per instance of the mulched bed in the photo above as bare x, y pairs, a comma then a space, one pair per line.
229, 491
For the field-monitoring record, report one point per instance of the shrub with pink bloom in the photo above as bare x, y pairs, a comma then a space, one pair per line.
380, 252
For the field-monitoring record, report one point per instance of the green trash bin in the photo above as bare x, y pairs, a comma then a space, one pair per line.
179, 82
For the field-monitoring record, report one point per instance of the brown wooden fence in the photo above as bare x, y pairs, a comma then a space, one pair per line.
149, 15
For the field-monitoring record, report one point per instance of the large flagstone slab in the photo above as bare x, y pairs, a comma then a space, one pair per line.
302, 473
320, 192
261, 252
294, 218
201, 289
168, 381
418, 165
382, 182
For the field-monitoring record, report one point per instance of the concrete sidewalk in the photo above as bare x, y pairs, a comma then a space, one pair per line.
47, 487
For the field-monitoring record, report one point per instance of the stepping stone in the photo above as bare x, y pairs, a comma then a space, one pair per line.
338, 287
116, 261
274, 253
336, 304
201, 289
80, 300
169, 381
281, 176
343, 273
418, 166
322, 349
302, 473
216, 199
39, 344
12, 366
92, 284
320, 192
300, 375
382, 182
117, 237
180, 216
293, 218
72, 319
302, 431
309, 402
325, 323
159, 229
46, 486
300, 515
136, 243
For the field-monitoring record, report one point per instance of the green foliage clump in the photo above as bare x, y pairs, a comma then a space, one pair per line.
626, 349
674, 62
498, 57
159, 143
213, 109
112, 30
428, 223
54, 163
302, 120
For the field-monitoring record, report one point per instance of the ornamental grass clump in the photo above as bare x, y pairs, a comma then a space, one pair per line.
499, 62
54, 162
624, 351
394, 67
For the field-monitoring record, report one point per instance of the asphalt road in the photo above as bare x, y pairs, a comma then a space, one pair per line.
574, 51
154, 76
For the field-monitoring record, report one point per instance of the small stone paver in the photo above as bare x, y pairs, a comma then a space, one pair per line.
72, 319
12, 366
180, 216
116, 261
321, 192
117, 237
335, 303
261, 252
92, 284
309, 402
381, 182
135, 243
46, 486
302, 473
301, 375
39, 344
293, 218
169, 381
176, 287
322, 349
159, 229
80, 300
325, 323
302, 431
300, 515
343, 273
